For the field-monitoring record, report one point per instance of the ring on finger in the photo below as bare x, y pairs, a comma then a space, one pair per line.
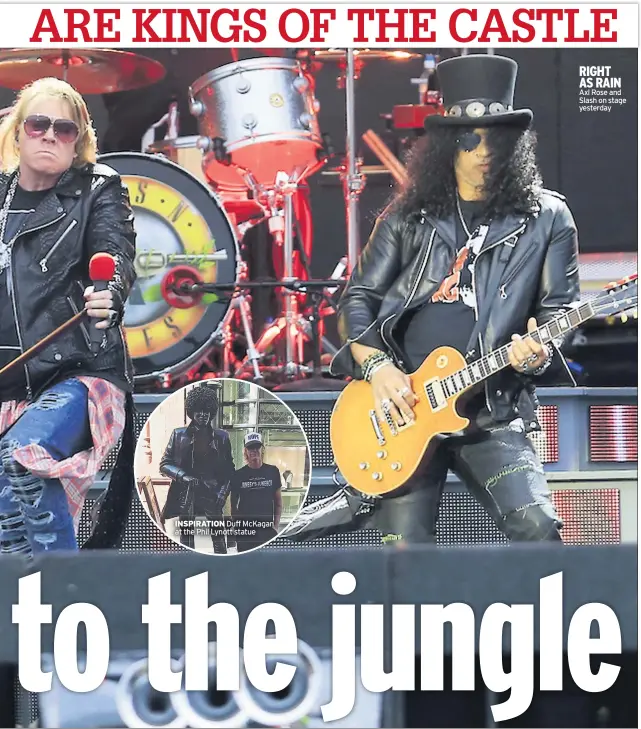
533, 357
525, 366
386, 404
405, 391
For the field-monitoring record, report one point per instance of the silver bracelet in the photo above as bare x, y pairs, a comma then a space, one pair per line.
542, 368
374, 361
376, 368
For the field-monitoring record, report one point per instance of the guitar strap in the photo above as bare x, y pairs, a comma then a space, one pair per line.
500, 263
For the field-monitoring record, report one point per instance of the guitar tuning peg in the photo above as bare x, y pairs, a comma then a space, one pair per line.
624, 318
609, 320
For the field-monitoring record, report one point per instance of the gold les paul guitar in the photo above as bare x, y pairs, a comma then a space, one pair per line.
379, 457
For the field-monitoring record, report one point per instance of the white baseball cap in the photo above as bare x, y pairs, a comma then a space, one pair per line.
252, 439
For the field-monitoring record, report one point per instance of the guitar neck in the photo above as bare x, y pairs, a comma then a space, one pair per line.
497, 360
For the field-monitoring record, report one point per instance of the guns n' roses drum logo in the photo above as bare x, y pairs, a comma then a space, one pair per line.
178, 222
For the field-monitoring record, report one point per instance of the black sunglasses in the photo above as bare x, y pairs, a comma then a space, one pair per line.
469, 141
37, 125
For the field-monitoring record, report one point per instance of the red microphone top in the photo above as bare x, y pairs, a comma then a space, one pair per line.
102, 267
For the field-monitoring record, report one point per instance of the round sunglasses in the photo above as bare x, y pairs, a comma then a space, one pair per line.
469, 141
37, 125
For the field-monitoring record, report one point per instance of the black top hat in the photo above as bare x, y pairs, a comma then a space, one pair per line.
478, 90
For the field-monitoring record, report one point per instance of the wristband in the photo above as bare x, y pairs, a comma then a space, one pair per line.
542, 368
374, 362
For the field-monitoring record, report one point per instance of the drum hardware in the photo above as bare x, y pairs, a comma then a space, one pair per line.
184, 285
259, 116
353, 180
89, 71
350, 62
366, 170
171, 119
427, 77
281, 225
386, 156
259, 131
317, 295
411, 117
240, 303
180, 225
277, 201
313, 58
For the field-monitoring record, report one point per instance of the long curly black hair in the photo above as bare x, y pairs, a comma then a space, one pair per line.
201, 399
513, 182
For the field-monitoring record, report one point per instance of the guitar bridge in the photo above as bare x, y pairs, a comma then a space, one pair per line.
377, 428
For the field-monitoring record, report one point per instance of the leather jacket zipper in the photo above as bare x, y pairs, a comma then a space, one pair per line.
12, 296
516, 232
43, 262
39, 227
413, 290
530, 252
11, 285
124, 355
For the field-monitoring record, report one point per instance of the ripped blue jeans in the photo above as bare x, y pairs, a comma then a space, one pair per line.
34, 511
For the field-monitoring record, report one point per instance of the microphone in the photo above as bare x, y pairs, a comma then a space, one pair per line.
102, 267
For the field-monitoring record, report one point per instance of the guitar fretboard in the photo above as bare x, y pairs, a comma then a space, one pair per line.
497, 360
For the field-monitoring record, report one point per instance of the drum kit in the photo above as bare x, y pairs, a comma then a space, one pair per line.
195, 197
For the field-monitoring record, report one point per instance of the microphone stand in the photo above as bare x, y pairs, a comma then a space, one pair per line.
316, 289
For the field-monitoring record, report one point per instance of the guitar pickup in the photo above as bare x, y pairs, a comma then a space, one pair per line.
435, 395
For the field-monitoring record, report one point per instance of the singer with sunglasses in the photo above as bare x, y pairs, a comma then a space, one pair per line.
65, 408
471, 254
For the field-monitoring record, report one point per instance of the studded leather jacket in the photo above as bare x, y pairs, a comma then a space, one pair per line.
178, 462
405, 261
87, 212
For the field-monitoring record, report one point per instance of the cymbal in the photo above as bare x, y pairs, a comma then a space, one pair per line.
89, 71
333, 55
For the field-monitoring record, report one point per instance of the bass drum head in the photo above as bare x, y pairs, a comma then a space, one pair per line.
178, 222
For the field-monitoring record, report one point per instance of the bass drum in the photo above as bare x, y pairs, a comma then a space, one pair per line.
178, 222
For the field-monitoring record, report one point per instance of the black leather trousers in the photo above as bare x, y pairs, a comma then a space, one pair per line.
500, 468
217, 536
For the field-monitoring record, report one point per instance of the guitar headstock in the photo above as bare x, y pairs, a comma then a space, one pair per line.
617, 298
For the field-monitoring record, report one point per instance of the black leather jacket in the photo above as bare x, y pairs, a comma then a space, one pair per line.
405, 261
87, 212
178, 461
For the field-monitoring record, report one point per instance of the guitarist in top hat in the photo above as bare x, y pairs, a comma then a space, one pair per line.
471, 253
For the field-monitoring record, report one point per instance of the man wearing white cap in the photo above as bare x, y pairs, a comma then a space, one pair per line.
256, 502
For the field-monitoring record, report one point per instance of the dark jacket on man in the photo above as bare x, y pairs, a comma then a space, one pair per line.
407, 258
87, 212
178, 463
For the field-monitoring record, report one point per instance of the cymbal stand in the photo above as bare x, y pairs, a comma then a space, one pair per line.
239, 302
66, 56
279, 201
353, 180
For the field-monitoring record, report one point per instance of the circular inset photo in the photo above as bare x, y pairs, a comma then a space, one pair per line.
222, 466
